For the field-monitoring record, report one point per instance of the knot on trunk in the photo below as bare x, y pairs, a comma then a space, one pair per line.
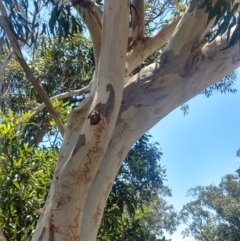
94, 117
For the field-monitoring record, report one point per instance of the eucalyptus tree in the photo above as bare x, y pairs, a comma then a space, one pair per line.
26, 172
214, 212
197, 45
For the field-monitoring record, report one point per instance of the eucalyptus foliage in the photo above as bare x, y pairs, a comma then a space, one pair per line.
214, 213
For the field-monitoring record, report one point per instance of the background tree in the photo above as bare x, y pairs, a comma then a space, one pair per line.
122, 104
135, 209
25, 176
63, 70
214, 214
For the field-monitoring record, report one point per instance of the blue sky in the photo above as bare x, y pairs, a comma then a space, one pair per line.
200, 148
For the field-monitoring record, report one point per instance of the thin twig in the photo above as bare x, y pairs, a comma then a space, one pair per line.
63, 96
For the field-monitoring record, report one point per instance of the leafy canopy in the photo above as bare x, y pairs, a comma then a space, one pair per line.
214, 214
30, 23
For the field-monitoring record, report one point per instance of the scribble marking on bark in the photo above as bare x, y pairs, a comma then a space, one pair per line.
80, 142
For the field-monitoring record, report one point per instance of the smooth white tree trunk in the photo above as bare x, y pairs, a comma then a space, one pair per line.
121, 107
62, 215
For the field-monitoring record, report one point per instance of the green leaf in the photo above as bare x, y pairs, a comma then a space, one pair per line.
16, 184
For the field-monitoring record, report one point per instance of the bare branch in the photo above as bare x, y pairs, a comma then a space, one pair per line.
63, 96
40, 90
164, 86
92, 16
190, 30
143, 49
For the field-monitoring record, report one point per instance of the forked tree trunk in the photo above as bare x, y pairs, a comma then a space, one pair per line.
120, 109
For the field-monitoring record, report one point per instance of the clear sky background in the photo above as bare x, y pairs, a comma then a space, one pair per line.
200, 148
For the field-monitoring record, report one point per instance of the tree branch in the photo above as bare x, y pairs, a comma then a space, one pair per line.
63, 96
91, 15
154, 93
40, 90
143, 49
160, 85
190, 30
